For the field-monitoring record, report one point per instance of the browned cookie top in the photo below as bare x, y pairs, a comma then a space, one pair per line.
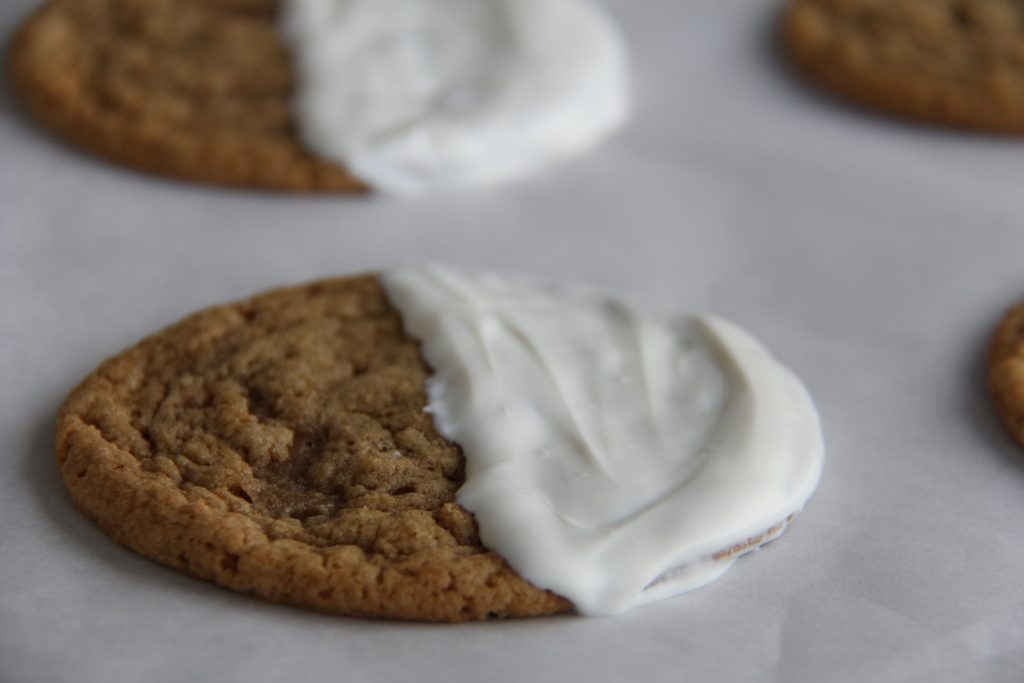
958, 62
197, 89
1006, 371
279, 446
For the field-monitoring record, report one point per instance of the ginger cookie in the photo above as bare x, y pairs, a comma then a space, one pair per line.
279, 447
1006, 371
285, 446
953, 62
196, 89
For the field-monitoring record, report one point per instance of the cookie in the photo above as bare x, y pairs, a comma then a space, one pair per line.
196, 89
953, 62
1006, 371
279, 446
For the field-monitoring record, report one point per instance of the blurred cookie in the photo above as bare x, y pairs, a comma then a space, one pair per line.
279, 446
955, 62
1006, 371
197, 89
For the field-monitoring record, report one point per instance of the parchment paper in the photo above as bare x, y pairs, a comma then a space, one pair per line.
872, 256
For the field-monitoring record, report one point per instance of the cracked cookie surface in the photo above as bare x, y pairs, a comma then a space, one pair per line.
1006, 371
196, 89
953, 62
279, 446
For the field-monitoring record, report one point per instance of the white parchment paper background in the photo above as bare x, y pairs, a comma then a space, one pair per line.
872, 256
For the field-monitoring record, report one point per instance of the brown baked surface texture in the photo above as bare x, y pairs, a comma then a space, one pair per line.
1006, 371
954, 62
196, 89
279, 446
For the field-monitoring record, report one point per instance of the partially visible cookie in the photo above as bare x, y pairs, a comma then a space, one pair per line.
197, 89
1006, 371
955, 62
279, 446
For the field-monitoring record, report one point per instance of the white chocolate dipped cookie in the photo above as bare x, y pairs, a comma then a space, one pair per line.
437, 445
397, 96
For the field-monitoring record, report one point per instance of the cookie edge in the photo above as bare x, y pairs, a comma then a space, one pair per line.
1006, 371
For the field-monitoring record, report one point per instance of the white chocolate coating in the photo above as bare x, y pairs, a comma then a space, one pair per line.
611, 454
420, 95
